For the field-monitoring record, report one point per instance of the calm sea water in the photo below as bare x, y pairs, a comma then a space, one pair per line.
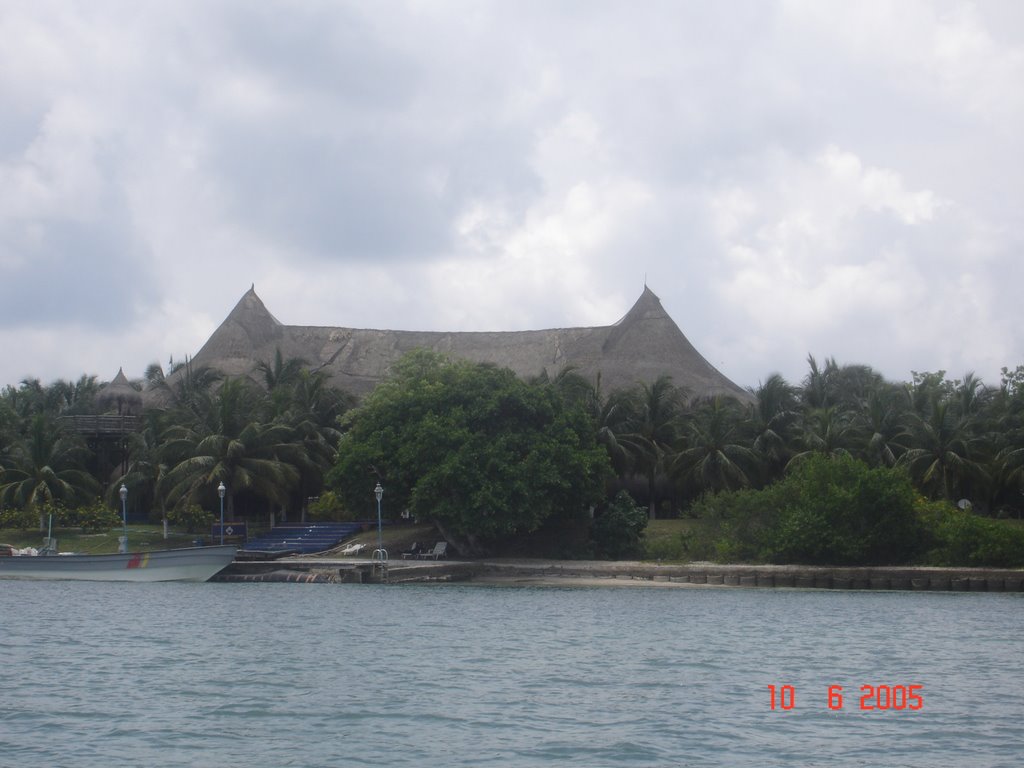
330, 675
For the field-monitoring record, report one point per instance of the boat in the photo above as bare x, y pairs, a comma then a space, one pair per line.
184, 564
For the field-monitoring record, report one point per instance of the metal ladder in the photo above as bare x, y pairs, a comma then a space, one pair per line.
380, 564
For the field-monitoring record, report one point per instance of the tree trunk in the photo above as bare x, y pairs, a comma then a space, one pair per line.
468, 546
652, 505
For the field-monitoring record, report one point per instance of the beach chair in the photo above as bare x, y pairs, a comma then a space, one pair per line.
412, 552
353, 549
439, 551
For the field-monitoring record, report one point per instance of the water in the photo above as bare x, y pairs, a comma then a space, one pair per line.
328, 675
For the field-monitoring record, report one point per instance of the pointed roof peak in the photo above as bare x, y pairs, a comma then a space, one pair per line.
645, 305
251, 309
119, 394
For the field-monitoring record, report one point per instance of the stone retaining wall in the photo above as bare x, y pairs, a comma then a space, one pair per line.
791, 577
704, 574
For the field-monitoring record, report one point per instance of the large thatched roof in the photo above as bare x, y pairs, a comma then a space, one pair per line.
642, 346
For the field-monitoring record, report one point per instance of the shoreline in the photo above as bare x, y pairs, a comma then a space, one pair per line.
497, 572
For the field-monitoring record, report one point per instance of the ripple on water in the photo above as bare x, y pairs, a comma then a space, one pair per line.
282, 674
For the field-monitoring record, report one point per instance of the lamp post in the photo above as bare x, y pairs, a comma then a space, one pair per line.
378, 492
221, 490
123, 544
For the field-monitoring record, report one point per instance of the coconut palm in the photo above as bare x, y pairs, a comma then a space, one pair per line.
882, 423
771, 421
224, 445
45, 465
716, 457
830, 431
940, 454
280, 378
648, 428
147, 468
313, 413
184, 387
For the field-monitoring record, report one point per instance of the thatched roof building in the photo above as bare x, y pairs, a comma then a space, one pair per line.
642, 346
119, 397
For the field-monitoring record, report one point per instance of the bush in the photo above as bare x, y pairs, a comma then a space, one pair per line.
676, 547
738, 525
826, 511
961, 538
91, 519
19, 519
616, 531
191, 517
328, 508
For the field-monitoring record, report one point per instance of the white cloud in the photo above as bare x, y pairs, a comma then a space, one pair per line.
791, 176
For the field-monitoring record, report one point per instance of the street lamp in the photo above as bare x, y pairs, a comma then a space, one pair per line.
123, 546
221, 490
378, 492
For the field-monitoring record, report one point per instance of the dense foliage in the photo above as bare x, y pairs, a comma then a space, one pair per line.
827, 510
472, 448
269, 442
484, 453
616, 532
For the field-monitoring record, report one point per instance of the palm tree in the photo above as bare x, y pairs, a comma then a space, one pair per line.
249, 461
45, 465
650, 427
185, 387
829, 431
940, 457
771, 421
313, 415
224, 445
716, 459
147, 469
280, 378
818, 384
882, 422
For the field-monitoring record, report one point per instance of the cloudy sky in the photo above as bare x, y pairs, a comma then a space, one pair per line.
791, 178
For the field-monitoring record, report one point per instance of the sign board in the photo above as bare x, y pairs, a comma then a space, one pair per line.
231, 530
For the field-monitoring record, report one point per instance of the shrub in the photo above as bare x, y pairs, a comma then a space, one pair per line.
961, 538
738, 525
835, 511
843, 512
91, 519
19, 519
328, 507
677, 547
191, 517
616, 531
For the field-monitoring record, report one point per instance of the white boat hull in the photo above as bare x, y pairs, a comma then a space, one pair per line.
188, 564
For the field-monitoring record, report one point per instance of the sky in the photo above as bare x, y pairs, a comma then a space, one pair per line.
818, 178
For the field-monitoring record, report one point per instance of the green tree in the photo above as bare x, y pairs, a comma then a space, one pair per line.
470, 447
649, 428
772, 423
280, 378
716, 456
225, 445
940, 457
827, 510
616, 531
43, 466
147, 469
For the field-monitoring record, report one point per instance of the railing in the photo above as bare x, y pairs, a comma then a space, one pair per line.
101, 425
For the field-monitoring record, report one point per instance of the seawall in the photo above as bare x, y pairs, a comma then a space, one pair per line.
695, 574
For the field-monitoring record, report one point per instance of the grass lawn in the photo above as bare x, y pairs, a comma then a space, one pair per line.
73, 540
665, 539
